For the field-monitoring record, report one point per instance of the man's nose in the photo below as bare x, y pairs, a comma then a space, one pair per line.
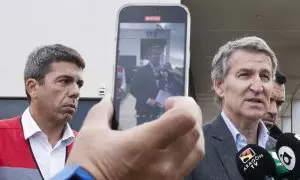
74, 91
273, 108
257, 85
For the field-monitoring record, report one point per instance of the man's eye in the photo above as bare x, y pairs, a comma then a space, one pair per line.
64, 81
243, 75
265, 78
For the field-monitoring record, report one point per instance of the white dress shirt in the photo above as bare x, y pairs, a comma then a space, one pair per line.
49, 160
240, 140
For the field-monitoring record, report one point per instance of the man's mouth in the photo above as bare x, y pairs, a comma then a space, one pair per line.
268, 122
255, 100
70, 107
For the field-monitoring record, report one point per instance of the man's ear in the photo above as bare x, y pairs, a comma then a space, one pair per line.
32, 86
218, 86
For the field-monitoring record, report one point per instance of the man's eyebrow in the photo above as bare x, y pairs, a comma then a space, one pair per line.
80, 82
244, 69
65, 76
266, 71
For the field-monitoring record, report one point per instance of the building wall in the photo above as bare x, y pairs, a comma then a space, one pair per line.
87, 26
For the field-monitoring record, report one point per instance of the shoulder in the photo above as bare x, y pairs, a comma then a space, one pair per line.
141, 71
75, 133
146, 67
11, 132
209, 127
271, 143
11, 123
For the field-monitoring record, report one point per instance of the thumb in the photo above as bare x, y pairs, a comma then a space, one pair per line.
167, 129
100, 114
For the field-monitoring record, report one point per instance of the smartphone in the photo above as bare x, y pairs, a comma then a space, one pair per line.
152, 61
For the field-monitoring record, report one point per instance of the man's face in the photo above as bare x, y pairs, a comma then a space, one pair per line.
276, 100
155, 53
246, 89
58, 96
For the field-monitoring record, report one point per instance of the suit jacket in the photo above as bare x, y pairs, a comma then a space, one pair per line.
142, 87
219, 162
275, 132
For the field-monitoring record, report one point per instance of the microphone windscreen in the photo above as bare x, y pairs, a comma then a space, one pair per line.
288, 152
254, 162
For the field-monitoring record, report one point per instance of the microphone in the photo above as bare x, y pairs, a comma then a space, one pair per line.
288, 151
281, 170
254, 162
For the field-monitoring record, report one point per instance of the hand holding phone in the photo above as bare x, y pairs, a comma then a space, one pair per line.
153, 51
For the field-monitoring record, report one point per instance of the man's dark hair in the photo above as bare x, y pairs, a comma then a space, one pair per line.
280, 78
39, 61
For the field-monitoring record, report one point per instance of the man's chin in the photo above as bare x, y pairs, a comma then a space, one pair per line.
67, 117
254, 115
268, 124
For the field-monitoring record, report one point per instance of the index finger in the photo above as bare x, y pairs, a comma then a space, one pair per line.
180, 118
100, 114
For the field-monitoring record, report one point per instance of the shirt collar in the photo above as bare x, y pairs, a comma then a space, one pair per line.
263, 134
31, 128
156, 68
68, 135
230, 126
29, 125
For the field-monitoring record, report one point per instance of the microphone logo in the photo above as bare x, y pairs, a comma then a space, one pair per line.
250, 158
287, 157
247, 155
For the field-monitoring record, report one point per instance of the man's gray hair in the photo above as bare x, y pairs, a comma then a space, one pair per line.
253, 44
39, 61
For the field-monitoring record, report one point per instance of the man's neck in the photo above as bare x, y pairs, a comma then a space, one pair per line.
247, 127
53, 131
154, 65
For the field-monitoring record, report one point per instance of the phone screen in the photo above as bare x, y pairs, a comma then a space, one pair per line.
151, 62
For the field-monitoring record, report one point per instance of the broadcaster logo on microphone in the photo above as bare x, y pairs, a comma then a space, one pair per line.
247, 155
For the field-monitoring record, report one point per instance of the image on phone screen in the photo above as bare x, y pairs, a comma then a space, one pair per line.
151, 62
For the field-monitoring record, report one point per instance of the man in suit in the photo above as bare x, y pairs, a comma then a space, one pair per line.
242, 75
146, 84
277, 99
